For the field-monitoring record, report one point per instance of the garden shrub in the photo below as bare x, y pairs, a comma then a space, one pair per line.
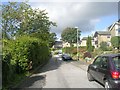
87, 54
17, 54
83, 49
70, 50
104, 46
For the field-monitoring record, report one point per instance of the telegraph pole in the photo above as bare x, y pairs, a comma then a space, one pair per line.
77, 44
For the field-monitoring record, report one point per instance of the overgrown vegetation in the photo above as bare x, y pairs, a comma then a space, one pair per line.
26, 40
18, 54
90, 48
69, 35
104, 46
115, 41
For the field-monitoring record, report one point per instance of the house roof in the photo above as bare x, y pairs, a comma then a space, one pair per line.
102, 33
84, 38
115, 23
58, 42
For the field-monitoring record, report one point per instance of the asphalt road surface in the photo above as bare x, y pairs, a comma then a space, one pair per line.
61, 74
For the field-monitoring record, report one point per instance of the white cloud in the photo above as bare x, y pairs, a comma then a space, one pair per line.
61, 0
81, 14
74, 0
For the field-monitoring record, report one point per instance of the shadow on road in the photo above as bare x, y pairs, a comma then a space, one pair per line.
31, 81
54, 63
38, 80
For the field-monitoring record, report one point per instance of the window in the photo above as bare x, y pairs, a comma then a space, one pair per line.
104, 63
97, 61
116, 61
119, 31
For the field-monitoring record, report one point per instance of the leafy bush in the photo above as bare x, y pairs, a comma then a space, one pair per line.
97, 52
18, 54
87, 54
83, 49
115, 41
104, 46
70, 50
110, 48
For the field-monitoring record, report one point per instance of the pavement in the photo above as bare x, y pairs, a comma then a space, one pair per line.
60, 74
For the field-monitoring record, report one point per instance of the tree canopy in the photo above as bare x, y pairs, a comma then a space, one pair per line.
21, 19
89, 44
70, 35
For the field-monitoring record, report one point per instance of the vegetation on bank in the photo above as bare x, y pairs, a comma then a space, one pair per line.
26, 41
22, 55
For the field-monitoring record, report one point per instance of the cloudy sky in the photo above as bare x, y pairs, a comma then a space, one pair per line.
88, 15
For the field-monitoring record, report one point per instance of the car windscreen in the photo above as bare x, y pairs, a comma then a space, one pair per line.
116, 61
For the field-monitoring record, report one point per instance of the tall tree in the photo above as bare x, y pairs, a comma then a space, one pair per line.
52, 39
89, 44
13, 16
70, 35
20, 18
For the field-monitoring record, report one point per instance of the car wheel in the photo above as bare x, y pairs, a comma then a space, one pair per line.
90, 78
107, 85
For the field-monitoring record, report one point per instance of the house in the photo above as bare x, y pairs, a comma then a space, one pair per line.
84, 41
114, 29
102, 36
58, 45
75, 44
66, 44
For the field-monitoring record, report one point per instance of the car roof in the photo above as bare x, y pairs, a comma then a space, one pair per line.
111, 55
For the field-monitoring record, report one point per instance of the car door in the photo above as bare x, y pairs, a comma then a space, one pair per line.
103, 68
94, 68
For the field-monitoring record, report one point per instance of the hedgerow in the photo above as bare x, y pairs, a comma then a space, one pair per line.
18, 54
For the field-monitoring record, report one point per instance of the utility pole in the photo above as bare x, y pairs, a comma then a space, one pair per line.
77, 44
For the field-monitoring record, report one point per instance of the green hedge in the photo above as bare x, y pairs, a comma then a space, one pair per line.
18, 54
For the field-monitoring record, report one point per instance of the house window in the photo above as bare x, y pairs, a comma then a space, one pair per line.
96, 42
119, 31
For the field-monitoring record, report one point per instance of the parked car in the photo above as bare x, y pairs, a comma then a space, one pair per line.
66, 57
106, 70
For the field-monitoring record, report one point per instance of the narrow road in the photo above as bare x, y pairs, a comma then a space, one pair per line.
61, 74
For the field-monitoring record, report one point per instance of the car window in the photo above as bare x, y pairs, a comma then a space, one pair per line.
97, 61
104, 61
116, 61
